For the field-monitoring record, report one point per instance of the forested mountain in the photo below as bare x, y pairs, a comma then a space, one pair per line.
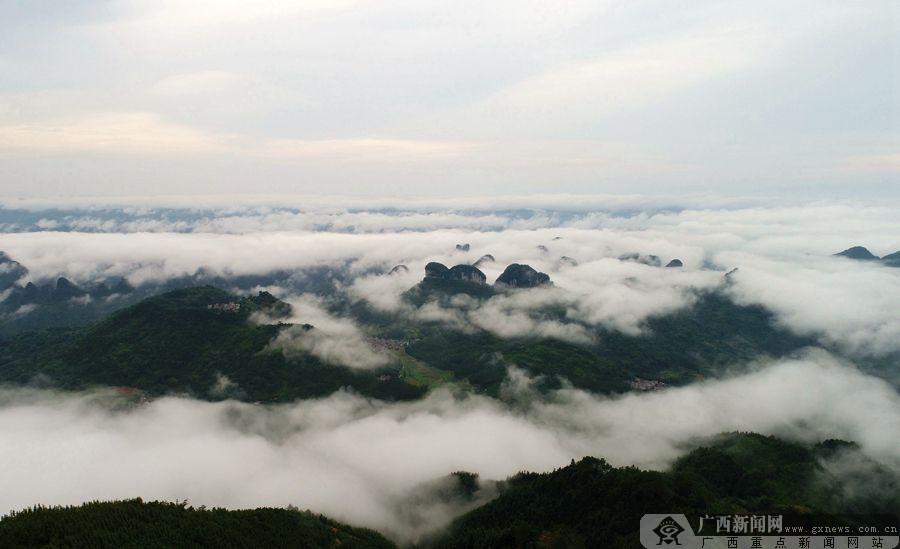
592, 504
135, 523
184, 341
692, 344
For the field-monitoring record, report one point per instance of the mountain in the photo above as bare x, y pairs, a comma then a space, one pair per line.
441, 284
467, 273
590, 503
697, 342
188, 341
436, 270
135, 523
10, 271
651, 260
522, 276
675, 263
892, 260
859, 253
484, 260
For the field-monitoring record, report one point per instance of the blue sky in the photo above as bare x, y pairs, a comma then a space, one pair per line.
427, 98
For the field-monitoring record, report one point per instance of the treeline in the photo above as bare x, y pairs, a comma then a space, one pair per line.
135, 523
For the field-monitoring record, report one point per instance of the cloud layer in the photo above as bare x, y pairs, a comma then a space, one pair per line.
783, 253
360, 460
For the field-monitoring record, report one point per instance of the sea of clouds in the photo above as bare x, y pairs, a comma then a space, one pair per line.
783, 253
364, 461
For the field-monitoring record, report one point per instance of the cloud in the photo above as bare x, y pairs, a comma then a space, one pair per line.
849, 304
878, 163
335, 340
359, 460
784, 256
581, 92
201, 82
131, 132
150, 133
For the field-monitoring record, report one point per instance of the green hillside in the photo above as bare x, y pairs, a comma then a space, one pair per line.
697, 342
184, 341
592, 504
134, 523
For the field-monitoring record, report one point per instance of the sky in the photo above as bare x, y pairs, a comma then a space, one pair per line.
140, 97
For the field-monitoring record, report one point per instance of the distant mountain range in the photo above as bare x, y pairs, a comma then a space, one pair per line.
174, 342
860, 253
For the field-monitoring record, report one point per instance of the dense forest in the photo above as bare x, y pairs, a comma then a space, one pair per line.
592, 504
135, 523
182, 341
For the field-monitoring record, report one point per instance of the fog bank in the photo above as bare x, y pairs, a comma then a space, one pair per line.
360, 460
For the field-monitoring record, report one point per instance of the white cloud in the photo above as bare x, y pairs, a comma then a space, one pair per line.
579, 93
335, 340
784, 256
133, 132
201, 82
359, 460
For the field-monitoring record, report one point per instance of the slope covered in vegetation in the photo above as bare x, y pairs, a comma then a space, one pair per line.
592, 504
135, 523
186, 341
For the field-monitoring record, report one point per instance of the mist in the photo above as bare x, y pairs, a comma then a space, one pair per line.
363, 461
783, 254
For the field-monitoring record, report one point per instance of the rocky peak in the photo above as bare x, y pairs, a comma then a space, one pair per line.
436, 270
400, 269
859, 253
65, 289
10, 271
651, 260
522, 276
675, 263
463, 247
468, 273
484, 260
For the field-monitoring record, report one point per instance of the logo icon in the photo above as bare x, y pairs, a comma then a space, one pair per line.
668, 531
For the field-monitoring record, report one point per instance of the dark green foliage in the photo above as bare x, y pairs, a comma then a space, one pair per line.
699, 341
180, 341
694, 343
591, 504
483, 358
134, 523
